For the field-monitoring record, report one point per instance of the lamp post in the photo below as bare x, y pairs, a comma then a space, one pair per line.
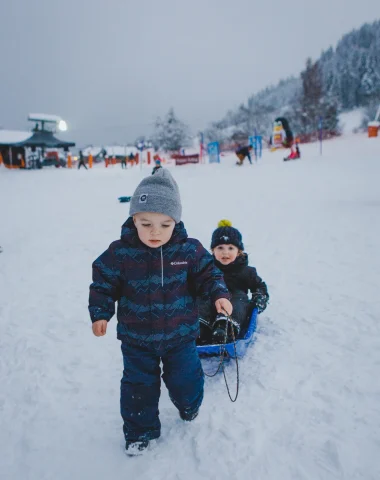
141, 146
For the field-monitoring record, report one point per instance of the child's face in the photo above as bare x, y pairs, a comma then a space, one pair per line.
226, 254
154, 229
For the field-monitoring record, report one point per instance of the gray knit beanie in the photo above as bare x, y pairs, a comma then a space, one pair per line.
158, 193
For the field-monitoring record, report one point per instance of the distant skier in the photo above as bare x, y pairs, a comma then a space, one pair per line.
81, 160
157, 161
243, 152
131, 159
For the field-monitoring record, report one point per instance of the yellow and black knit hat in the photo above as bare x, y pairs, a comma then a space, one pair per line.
226, 234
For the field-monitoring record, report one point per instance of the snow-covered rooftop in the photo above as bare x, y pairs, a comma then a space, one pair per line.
45, 117
13, 136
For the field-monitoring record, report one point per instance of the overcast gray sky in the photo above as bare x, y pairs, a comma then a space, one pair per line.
109, 67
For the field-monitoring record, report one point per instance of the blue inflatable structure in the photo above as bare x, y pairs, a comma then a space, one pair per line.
242, 343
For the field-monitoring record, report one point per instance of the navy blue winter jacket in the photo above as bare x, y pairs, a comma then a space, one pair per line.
155, 288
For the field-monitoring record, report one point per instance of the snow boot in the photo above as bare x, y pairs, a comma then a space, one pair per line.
188, 417
136, 448
219, 334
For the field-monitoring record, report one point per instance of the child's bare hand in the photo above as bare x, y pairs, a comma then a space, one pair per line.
223, 305
99, 328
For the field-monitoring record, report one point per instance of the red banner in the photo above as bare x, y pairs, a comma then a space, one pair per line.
185, 159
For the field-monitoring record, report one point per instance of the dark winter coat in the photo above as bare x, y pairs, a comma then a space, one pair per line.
245, 151
157, 167
155, 288
239, 277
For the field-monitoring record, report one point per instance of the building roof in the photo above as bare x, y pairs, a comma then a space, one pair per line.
43, 138
44, 117
10, 137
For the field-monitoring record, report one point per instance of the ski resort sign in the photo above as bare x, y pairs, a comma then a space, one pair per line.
213, 152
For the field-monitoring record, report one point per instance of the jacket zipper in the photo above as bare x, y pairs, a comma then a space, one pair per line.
162, 269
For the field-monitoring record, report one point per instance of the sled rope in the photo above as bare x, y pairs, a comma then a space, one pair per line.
222, 357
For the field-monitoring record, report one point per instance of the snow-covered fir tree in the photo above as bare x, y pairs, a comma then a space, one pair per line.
171, 133
351, 73
315, 104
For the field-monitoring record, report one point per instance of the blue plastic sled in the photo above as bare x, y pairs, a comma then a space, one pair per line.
241, 343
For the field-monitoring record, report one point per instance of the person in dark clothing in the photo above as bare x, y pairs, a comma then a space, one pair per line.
229, 256
155, 272
243, 152
157, 166
123, 162
81, 160
131, 159
298, 153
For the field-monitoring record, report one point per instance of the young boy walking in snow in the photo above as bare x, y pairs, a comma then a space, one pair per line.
155, 272
229, 256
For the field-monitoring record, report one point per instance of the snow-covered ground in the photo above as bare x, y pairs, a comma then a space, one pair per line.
310, 391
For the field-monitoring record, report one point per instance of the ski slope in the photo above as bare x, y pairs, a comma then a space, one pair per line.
308, 407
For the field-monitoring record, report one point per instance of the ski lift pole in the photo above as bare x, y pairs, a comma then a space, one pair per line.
377, 114
320, 126
201, 147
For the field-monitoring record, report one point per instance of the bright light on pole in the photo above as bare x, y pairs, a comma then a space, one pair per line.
62, 126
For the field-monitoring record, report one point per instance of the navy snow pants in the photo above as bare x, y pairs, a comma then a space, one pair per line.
141, 386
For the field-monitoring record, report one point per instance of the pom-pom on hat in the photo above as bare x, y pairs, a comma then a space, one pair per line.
226, 234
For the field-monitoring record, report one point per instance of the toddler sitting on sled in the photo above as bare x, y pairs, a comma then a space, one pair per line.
229, 256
